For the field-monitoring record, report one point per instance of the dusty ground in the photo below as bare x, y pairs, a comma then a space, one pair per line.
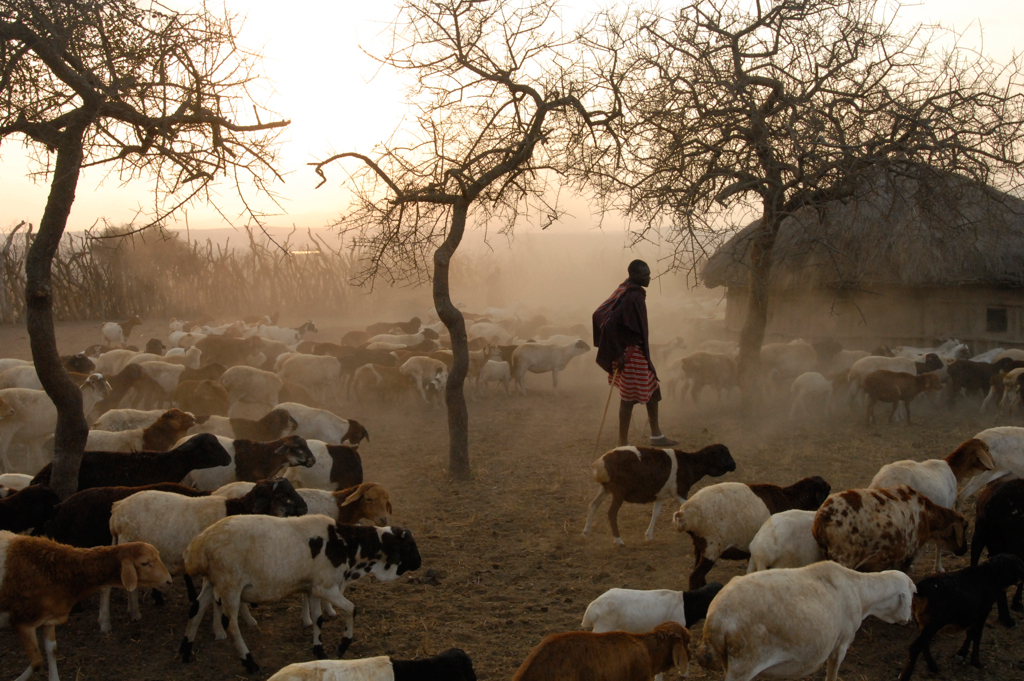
504, 563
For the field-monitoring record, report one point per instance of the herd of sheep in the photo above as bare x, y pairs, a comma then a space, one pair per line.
228, 430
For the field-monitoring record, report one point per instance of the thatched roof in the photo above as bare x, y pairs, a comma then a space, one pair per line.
943, 231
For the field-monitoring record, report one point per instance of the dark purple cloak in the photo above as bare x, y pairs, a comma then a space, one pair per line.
619, 322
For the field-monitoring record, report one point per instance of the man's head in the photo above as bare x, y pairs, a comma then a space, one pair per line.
639, 273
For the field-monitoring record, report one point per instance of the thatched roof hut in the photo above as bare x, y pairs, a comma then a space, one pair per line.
903, 246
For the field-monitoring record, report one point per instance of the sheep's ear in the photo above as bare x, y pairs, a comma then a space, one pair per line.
389, 508
129, 577
354, 497
681, 657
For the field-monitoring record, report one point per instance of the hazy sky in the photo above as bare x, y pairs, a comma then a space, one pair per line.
337, 101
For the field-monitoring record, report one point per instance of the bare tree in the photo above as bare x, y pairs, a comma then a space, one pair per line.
145, 91
767, 108
500, 106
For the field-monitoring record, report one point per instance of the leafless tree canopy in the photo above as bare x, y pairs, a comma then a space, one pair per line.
497, 96
768, 107
771, 106
164, 93
142, 90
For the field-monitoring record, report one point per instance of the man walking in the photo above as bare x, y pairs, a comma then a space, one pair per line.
623, 350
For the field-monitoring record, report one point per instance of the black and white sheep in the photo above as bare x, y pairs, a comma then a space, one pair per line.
642, 475
310, 554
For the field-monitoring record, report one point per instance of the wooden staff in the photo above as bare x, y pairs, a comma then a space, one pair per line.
605, 414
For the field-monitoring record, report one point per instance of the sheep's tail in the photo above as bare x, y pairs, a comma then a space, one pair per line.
707, 656
588, 620
196, 561
600, 472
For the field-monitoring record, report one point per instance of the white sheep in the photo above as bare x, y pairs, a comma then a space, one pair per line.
403, 339
190, 358
7, 363
21, 377
285, 335
185, 340
336, 468
540, 358
127, 419
34, 419
320, 374
217, 425
937, 479
116, 333
144, 517
284, 357
423, 371
866, 365
814, 386
271, 558
495, 370
728, 516
15, 481
784, 541
1006, 447
638, 611
787, 623
111, 362
369, 501
252, 385
159, 436
491, 332
320, 424
451, 665
164, 374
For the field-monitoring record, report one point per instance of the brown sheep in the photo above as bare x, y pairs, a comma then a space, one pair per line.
202, 398
42, 580
895, 387
611, 656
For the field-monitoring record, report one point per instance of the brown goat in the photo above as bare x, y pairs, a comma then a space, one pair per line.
293, 392
611, 656
275, 424
367, 501
388, 383
42, 580
202, 398
895, 387
170, 427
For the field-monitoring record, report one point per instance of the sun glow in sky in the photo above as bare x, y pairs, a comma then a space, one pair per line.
338, 99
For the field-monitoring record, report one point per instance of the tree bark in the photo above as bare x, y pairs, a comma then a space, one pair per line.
72, 429
752, 334
454, 396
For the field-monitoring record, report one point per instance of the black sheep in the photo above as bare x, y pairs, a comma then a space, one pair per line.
28, 508
1000, 524
964, 599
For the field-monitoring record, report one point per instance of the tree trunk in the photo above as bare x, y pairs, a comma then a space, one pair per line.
72, 429
752, 334
454, 396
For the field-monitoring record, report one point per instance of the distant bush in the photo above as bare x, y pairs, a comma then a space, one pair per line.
115, 272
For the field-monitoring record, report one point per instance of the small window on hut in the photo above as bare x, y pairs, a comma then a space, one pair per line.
995, 320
